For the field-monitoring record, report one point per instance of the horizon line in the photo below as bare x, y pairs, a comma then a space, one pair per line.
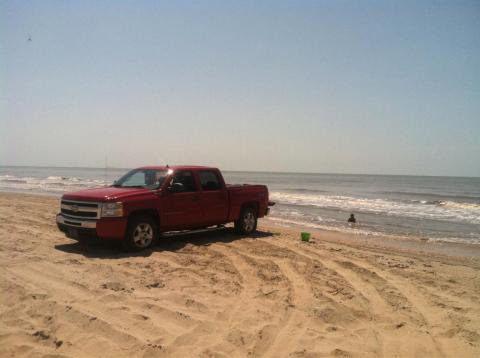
251, 171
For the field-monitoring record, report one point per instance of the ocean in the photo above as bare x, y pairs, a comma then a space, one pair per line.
433, 208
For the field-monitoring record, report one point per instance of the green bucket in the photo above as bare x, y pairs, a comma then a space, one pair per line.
305, 236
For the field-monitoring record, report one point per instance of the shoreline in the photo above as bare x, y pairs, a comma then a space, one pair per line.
398, 243
377, 240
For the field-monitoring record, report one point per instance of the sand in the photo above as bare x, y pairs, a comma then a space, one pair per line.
217, 294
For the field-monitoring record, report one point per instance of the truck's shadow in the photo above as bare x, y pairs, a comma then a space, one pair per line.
111, 250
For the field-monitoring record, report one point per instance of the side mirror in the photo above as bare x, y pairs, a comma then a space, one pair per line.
176, 188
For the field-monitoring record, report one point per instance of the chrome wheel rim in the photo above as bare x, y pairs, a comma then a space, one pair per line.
143, 235
248, 221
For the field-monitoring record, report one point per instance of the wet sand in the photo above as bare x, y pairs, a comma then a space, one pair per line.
409, 245
217, 294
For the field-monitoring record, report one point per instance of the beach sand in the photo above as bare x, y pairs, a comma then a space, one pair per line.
217, 294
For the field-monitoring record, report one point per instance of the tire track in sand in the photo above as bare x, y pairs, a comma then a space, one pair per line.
296, 323
388, 298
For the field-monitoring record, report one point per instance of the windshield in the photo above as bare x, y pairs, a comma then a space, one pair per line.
142, 178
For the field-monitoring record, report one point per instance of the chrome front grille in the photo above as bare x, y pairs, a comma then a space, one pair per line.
81, 209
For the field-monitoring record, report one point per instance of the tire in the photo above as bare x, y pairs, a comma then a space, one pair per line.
247, 222
142, 233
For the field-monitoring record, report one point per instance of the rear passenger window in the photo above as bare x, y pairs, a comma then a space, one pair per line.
186, 178
209, 180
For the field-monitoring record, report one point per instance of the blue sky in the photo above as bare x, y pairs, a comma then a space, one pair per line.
312, 86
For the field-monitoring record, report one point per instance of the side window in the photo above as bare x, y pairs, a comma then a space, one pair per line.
186, 178
209, 180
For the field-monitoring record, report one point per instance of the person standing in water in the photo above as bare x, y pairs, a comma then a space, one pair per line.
351, 219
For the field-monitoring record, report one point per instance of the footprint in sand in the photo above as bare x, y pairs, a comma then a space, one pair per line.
155, 285
39, 296
43, 335
116, 286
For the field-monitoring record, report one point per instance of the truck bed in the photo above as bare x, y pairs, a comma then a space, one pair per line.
239, 194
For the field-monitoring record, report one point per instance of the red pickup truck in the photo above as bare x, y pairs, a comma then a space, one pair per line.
151, 200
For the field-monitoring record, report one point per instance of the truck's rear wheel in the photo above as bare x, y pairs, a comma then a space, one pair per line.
142, 233
247, 222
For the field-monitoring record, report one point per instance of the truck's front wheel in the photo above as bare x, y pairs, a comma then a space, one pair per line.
247, 222
141, 233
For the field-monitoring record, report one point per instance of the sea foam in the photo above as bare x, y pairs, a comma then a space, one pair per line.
442, 210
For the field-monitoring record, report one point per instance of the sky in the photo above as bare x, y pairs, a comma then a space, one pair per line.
381, 87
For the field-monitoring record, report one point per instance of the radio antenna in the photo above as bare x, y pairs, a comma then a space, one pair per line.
106, 166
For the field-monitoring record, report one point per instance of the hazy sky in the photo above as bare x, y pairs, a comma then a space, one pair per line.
312, 86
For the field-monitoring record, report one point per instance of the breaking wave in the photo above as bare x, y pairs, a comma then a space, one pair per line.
434, 210
50, 184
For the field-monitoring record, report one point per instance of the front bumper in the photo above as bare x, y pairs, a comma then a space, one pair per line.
78, 233
78, 223
104, 228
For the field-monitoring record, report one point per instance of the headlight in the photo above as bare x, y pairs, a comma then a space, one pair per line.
112, 209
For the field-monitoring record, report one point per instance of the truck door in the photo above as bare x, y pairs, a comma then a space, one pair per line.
182, 209
213, 197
